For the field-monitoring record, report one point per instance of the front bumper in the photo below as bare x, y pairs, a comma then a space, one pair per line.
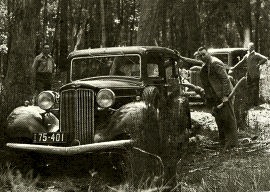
73, 149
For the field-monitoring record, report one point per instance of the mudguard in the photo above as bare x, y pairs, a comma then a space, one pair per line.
130, 120
23, 121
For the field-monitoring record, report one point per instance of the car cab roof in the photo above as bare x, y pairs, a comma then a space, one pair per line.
226, 50
118, 51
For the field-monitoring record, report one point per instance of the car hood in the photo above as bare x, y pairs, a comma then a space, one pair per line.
105, 82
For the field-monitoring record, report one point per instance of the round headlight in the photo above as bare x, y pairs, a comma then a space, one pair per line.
105, 98
46, 100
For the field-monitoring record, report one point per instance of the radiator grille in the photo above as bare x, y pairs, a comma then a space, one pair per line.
77, 114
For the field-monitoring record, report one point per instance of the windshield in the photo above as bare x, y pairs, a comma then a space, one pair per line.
120, 65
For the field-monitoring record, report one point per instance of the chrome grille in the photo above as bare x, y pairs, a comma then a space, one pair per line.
77, 114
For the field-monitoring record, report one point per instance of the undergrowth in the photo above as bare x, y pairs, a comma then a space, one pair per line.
248, 174
233, 173
13, 180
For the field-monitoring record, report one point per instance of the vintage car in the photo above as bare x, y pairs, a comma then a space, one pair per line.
116, 99
229, 56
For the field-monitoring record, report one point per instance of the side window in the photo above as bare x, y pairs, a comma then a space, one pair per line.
170, 68
237, 56
169, 72
153, 65
152, 70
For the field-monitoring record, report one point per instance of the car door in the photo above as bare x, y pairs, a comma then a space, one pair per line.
171, 78
155, 72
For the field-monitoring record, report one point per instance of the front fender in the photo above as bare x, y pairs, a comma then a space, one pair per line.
127, 120
23, 121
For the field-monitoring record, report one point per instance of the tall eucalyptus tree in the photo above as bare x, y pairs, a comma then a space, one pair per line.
24, 23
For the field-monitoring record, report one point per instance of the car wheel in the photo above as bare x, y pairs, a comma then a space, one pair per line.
152, 97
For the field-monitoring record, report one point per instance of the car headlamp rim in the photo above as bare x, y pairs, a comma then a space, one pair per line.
105, 92
46, 100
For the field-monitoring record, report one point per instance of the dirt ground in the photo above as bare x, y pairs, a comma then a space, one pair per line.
206, 157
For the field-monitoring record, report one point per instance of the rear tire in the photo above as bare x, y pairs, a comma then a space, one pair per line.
152, 97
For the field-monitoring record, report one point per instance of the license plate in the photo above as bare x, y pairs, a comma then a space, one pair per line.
50, 137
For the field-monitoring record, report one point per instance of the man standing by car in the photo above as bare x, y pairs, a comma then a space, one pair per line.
217, 87
253, 61
42, 70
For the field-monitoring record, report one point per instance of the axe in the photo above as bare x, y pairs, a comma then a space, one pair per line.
233, 91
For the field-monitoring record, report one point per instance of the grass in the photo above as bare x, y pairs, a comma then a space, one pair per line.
242, 175
212, 171
11, 180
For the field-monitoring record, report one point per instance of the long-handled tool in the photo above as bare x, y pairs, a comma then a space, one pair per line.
200, 90
233, 91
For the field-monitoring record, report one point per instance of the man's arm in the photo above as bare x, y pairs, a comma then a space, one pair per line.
239, 64
222, 74
34, 66
262, 59
191, 62
33, 71
53, 65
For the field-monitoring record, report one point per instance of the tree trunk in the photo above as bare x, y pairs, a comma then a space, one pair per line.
246, 31
148, 23
55, 46
22, 41
63, 36
103, 25
257, 21
45, 21
80, 36
164, 22
132, 27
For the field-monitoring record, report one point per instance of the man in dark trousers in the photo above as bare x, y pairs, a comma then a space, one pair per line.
217, 87
252, 61
42, 70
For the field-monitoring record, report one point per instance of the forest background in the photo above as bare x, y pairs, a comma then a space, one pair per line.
67, 25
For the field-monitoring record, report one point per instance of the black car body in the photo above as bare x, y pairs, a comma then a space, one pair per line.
229, 56
114, 98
